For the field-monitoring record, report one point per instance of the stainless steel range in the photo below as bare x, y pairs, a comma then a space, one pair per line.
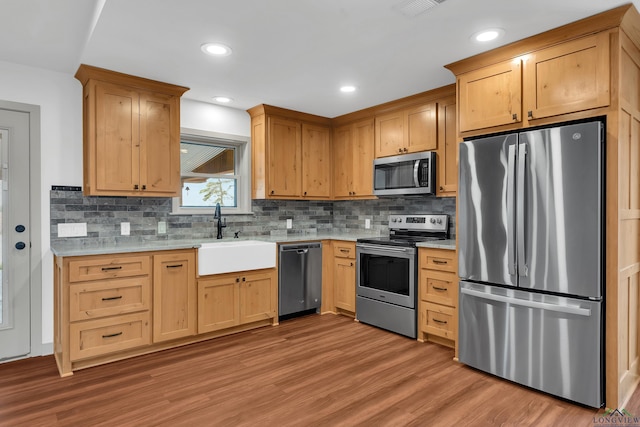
386, 291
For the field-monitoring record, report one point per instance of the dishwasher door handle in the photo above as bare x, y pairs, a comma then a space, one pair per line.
302, 251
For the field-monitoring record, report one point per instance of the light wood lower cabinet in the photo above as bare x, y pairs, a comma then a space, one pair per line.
438, 296
229, 300
110, 307
344, 277
174, 298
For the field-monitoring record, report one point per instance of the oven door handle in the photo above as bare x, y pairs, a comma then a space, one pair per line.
383, 248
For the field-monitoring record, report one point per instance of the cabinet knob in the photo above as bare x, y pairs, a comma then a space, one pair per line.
515, 117
135, 187
399, 150
144, 187
530, 114
441, 188
272, 192
351, 264
405, 149
305, 193
244, 279
237, 279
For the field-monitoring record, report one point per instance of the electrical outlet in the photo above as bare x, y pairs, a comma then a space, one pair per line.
125, 228
367, 223
162, 227
78, 229
289, 223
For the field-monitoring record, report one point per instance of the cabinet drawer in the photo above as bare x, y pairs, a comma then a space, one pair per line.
438, 320
93, 300
439, 259
107, 268
98, 337
439, 287
344, 250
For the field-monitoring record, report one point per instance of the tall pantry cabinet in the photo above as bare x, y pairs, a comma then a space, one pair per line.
583, 70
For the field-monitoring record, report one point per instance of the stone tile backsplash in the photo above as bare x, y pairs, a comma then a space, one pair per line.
103, 216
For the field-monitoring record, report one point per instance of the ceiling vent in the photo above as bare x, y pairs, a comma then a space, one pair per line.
412, 8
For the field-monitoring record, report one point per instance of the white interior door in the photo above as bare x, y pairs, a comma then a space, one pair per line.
15, 245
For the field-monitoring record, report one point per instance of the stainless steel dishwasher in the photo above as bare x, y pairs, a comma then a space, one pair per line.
299, 278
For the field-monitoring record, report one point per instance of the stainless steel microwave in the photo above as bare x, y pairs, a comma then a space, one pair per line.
406, 174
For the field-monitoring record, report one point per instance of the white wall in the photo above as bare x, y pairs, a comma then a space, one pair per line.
59, 96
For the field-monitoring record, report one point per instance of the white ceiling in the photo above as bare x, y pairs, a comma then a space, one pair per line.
289, 53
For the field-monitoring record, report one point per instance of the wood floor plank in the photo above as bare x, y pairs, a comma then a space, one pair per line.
310, 371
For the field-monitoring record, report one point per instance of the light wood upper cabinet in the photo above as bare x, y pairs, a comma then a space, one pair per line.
491, 96
291, 154
353, 160
409, 130
572, 76
316, 161
285, 159
174, 295
447, 165
131, 129
566, 78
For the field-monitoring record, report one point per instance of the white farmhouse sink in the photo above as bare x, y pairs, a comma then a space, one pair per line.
239, 255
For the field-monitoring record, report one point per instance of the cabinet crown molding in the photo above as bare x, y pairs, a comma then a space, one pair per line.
89, 72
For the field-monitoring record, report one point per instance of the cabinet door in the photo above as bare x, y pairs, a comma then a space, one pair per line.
285, 175
491, 96
421, 128
218, 303
174, 296
344, 277
447, 165
159, 147
316, 161
362, 158
258, 297
570, 77
389, 135
117, 155
342, 162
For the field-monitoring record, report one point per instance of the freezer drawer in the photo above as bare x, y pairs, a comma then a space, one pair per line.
549, 343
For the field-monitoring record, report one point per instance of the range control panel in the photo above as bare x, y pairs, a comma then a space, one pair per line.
426, 222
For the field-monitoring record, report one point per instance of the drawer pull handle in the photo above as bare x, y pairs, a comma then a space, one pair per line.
112, 298
443, 322
345, 251
438, 288
112, 335
112, 268
437, 261
174, 266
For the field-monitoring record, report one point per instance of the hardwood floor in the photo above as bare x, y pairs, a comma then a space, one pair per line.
310, 371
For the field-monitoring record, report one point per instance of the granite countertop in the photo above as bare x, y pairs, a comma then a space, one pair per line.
438, 244
81, 247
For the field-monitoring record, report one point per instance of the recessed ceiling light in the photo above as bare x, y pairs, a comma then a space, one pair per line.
487, 35
216, 49
222, 99
347, 89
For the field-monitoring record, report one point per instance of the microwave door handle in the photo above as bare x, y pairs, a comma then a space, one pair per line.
416, 173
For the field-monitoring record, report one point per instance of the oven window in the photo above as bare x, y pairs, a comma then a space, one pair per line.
385, 273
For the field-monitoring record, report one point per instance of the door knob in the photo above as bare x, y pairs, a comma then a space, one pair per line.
20, 246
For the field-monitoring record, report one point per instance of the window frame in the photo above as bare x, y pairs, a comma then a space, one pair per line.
242, 146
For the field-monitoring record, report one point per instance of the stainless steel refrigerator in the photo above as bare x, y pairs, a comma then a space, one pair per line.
531, 258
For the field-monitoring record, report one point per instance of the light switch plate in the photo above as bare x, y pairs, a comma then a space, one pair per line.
367, 223
125, 228
162, 227
289, 223
78, 229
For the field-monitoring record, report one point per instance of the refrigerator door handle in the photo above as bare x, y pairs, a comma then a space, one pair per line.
569, 309
511, 215
520, 210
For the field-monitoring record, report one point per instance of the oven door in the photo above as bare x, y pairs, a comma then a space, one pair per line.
387, 274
